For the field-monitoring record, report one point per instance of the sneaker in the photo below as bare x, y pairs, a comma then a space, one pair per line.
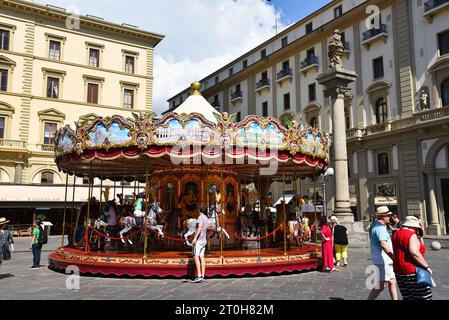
197, 280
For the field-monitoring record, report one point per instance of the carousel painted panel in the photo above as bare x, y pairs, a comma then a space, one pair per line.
261, 133
313, 143
65, 141
184, 130
108, 133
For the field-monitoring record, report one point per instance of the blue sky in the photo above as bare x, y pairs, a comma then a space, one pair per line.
201, 35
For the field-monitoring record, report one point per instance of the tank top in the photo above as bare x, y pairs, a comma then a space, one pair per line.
403, 261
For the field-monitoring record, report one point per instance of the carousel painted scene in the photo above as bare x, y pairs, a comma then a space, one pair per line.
193, 158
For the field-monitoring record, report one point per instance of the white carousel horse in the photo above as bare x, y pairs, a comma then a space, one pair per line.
130, 222
214, 225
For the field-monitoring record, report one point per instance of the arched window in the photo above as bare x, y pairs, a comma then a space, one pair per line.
445, 92
381, 110
47, 177
383, 163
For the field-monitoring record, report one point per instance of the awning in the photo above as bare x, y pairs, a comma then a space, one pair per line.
288, 198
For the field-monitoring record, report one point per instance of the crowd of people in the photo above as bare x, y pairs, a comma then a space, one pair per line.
397, 252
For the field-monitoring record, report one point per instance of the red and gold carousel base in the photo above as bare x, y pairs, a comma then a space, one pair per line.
181, 264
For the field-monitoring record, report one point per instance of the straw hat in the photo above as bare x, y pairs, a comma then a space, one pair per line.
383, 211
3, 221
411, 222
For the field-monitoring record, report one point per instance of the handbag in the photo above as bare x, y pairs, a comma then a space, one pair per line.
423, 277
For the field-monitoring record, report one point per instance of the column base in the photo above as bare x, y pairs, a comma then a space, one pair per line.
434, 230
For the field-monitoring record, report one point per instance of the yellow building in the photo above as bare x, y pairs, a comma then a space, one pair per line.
56, 68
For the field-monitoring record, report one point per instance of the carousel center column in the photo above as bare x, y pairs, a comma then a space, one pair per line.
336, 81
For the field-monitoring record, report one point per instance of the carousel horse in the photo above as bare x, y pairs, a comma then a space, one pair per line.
129, 222
214, 222
306, 228
190, 226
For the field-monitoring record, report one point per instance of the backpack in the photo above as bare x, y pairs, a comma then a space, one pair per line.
43, 238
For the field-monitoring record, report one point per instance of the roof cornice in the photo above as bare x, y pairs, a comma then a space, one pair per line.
33, 8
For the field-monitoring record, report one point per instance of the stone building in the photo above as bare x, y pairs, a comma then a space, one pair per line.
55, 69
397, 118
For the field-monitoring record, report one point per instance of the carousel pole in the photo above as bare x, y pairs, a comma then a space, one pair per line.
123, 193
147, 198
65, 209
222, 212
314, 203
285, 214
101, 189
73, 207
115, 184
89, 197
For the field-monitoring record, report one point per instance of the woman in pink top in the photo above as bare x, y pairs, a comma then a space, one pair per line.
327, 245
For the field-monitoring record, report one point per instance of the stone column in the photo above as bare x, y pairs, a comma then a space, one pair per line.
336, 83
18, 173
434, 225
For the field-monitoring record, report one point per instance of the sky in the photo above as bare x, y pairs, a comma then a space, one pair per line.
201, 35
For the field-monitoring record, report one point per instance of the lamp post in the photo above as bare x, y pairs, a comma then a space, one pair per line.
329, 173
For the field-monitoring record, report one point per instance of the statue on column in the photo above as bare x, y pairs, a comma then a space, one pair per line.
336, 50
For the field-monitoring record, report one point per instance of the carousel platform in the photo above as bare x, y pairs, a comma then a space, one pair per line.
180, 264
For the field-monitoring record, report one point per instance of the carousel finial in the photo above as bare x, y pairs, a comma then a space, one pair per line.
196, 87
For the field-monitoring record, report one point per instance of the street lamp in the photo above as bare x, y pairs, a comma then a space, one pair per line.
329, 173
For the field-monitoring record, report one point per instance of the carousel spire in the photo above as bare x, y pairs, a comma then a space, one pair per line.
196, 87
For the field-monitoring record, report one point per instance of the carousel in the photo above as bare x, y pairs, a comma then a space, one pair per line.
189, 159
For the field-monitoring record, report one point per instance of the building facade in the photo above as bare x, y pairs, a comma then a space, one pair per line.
55, 69
397, 118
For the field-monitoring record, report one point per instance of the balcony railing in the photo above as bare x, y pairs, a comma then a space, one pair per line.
432, 4
262, 83
347, 46
433, 114
374, 32
236, 95
47, 147
284, 73
13, 143
378, 128
354, 133
310, 61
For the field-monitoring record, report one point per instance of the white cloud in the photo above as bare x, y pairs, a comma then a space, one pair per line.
201, 35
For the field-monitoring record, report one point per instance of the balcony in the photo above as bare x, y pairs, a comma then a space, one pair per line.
262, 85
215, 104
283, 75
47, 147
430, 115
311, 62
13, 144
354, 133
378, 128
236, 96
433, 7
373, 35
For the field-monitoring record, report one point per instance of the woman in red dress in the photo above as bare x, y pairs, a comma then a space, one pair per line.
327, 245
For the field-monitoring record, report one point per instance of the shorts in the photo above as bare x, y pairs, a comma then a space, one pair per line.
386, 272
199, 249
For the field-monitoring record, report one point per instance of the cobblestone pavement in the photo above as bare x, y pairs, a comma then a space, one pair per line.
18, 282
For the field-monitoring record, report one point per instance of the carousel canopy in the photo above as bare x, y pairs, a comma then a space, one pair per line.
116, 148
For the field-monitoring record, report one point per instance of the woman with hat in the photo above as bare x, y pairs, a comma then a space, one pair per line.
409, 253
6, 241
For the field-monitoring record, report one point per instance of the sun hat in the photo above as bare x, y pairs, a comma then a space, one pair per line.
3, 221
383, 211
334, 219
411, 222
